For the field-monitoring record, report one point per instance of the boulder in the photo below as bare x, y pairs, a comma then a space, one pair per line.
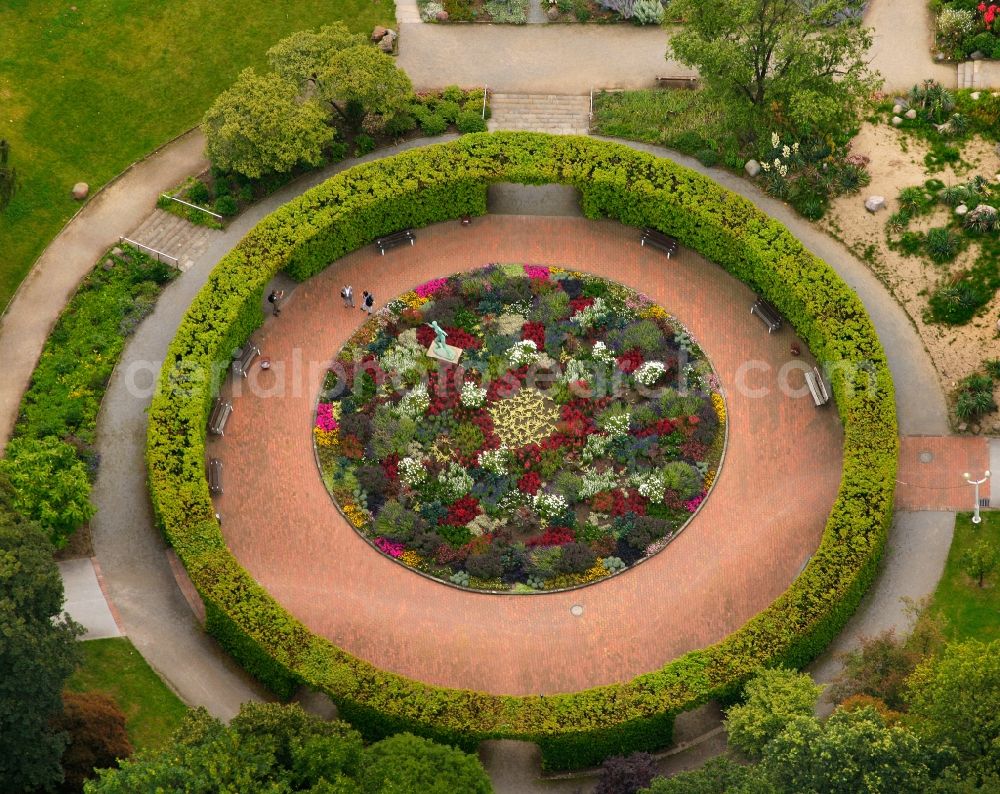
896, 121
441, 16
387, 42
752, 168
553, 13
379, 33
975, 95
897, 108
961, 209
875, 203
109, 263
116, 251
80, 191
911, 114
978, 55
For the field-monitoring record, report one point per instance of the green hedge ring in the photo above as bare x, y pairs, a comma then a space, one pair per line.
447, 181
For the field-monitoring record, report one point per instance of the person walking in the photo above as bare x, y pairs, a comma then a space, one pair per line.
274, 299
348, 295
368, 302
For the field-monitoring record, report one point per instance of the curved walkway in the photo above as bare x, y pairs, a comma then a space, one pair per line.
762, 521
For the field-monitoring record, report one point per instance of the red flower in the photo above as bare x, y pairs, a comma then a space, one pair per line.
530, 483
579, 304
535, 332
462, 511
630, 360
553, 536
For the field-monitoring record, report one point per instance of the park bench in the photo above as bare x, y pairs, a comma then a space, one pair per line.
767, 313
244, 360
817, 387
394, 239
220, 415
677, 82
658, 239
215, 475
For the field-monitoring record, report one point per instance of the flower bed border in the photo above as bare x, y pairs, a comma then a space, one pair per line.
445, 182
632, 567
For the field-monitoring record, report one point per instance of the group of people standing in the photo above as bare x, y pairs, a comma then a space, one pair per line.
347, 294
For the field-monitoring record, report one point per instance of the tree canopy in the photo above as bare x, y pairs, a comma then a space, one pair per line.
787, 65
367, 78
278, 748
259, 126
773, 697
38, 652
301, 57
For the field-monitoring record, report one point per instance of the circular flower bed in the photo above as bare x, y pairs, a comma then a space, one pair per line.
575, 434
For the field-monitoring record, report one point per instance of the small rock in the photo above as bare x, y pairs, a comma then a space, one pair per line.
379, 33
975, 428
975, 94
896, 121
553, 13
875, 203
897, 109
387, 42
963, 427
80, 191
997, 148
109, 263
911, 114
939, 56
978, 55
116, 251
752, 168
961, 209
998, 326
441, 16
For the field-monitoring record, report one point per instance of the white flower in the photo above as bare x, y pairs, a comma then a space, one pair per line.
596, 447
592, 315
472, 396
617, 424
650, 485
777, 163
786, 152
602, 354
783, 170
494, 460
416, 403
549, 505
766, 166
795, 146
523, 353
412, 471
775, 140
456, 480
649, 373
595, 482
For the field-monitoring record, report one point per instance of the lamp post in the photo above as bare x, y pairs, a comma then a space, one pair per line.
976, 518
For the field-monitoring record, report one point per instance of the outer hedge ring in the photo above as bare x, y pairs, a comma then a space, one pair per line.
444, 182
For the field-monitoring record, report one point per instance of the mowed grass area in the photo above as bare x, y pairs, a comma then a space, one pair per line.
113, 666
85, 93
972, 612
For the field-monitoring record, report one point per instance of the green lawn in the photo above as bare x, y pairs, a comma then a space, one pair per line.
152, 711
971, 611
85, 93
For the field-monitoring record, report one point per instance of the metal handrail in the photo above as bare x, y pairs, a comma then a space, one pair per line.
158, 254
486, 93
192, 206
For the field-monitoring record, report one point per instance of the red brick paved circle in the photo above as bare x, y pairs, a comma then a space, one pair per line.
763, 519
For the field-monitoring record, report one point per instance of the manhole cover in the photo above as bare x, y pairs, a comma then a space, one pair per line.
926, 456
576, 610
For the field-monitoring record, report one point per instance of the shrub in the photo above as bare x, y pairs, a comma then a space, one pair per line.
576, 558
507, 13
974, 397
470, 121
97, 736
411, 763
942, 244
447, 181
958, 303
647, 12
433, 124
626, 774
400, 124
773, 698
707, 157
226, 205
363, 144
199, 193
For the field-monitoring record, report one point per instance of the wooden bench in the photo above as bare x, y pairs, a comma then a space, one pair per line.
220, 415
677, 82
394, 239
243, 362
215, 475
817, 387
658, 239
767, 313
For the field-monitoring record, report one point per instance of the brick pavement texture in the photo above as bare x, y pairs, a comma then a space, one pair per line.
931, 469
758, 527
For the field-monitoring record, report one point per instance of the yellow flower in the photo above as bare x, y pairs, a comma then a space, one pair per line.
720, 407
412, 300
709, 479
356, 515
653, 312
411, 558
326, 438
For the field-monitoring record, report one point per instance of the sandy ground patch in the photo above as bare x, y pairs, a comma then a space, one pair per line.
897, 161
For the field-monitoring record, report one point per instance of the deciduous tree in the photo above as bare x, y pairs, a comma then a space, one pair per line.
789, 65
301, 57
369, 79
773, 697
979, 561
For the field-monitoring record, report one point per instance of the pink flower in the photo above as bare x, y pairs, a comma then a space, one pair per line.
692, 504
536, 271
324, 417
428, 288
389, 547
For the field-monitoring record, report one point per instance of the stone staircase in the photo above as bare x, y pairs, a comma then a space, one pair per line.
170, 234
555, 113
968, 75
